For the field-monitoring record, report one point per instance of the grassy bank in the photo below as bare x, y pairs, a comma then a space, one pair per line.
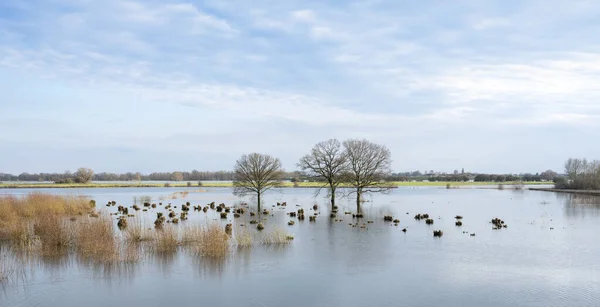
581, 192
226, 184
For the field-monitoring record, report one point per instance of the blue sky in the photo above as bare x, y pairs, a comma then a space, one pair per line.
489, 86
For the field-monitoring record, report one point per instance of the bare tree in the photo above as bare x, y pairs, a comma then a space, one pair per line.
177, 176
368, 165
84, 175
327, 161
256, 173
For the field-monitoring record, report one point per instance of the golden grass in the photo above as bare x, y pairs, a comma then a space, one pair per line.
276, 236
209, 241
166, 240
54, 236
96, 241
15, 211
136, 232
243, 238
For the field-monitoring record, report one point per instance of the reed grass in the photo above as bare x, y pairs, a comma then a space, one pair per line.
96, 240
207, 241
276, 236
136, 232
166, 240
243, 238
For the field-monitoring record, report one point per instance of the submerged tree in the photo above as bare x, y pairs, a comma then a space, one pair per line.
368, 165
256, 173
327, 161
84, 175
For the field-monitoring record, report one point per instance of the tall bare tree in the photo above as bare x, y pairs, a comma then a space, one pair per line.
84, 175
256, 173
326, 161
368, 165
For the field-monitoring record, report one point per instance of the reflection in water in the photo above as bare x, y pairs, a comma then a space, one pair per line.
209, 266
577, 205
164, 260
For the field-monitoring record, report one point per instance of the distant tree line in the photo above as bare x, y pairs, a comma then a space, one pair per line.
581, 174
547, 175
73, 177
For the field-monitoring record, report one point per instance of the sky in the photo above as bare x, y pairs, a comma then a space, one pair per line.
501, 86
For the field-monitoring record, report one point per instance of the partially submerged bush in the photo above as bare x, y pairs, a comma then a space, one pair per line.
122, 223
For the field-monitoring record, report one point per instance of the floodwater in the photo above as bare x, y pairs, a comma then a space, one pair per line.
547, 256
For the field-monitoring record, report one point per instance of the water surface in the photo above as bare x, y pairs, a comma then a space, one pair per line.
548, 255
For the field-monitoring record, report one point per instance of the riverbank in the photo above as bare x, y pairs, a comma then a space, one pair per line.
581, 192
228, 184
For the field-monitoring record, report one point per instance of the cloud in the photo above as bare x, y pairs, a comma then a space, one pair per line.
356, 69
307, 16
490, 23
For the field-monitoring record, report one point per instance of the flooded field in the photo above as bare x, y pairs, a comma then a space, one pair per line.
545, 256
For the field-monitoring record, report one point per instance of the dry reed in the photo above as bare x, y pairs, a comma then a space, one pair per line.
135, 232
166, 240
243, 238
209, 241
95, 240
276, 236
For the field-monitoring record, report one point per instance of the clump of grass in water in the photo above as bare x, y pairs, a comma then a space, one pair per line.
276, 236
208, 241
243, 238
95, 240
54, 236
136, 233
166, 240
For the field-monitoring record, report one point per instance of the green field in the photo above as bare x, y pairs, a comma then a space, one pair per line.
229, 184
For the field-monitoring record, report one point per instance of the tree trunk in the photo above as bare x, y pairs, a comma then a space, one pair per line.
358, 192
332, 198
258, 200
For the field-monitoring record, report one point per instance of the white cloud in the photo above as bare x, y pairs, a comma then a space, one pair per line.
307, 16
490, 23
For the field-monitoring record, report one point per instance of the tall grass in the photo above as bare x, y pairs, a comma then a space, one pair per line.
208, 241
243, 238
54, 235
16, 211
276, 236
136, 232
96, 241
166, 240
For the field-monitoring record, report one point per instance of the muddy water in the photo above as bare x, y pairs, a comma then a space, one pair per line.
547, 256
